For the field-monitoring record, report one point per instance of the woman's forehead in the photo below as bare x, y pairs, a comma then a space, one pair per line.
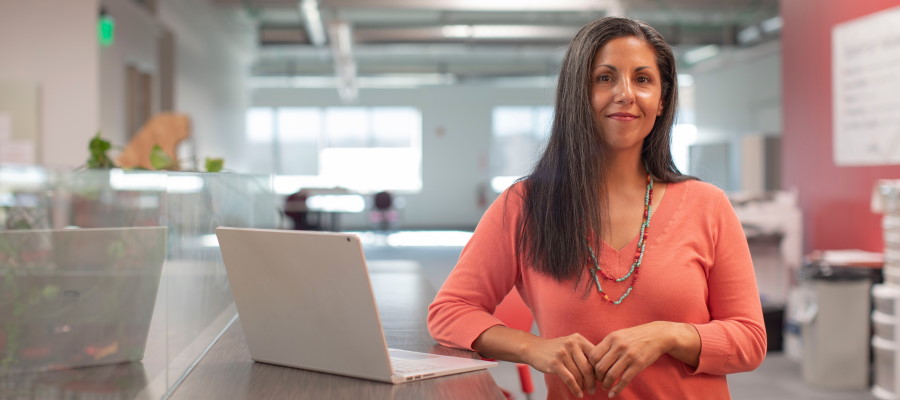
625, 50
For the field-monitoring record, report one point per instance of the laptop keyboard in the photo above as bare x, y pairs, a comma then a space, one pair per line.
403, 366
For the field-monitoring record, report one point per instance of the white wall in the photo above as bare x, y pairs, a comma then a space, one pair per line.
53, 44
456, 137
136, 43
213, 48
738, 95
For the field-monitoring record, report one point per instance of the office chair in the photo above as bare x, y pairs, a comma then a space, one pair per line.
514, 313
295, 209
384, 211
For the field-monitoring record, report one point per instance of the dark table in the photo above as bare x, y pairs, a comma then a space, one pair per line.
403, 296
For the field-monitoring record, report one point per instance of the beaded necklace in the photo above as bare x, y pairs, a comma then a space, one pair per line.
638, 255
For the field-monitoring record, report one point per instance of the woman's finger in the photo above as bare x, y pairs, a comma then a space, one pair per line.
565, 373
614, 371
625, 379
606, 360
586, 369
575, 371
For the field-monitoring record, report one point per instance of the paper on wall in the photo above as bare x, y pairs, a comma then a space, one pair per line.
5, 127
13, 151
865, 55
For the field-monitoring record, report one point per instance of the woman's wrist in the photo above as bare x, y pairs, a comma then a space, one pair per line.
507, 344
684, 343
526, 346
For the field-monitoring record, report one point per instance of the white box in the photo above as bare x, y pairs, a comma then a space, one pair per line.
883, 352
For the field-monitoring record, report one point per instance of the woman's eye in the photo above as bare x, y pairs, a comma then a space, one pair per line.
643, 79
604, 78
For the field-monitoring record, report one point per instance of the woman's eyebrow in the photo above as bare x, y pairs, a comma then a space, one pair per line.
638, 69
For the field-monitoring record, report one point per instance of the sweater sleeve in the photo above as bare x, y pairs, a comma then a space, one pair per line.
487, 270
735, 338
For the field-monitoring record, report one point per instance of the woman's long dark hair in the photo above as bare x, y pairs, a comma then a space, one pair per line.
565, 200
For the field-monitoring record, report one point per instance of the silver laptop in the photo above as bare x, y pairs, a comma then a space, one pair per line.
77, 297
305, 301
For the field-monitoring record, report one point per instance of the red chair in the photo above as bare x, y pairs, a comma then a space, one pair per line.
515, 314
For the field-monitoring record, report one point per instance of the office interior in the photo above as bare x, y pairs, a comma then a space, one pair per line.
788, 106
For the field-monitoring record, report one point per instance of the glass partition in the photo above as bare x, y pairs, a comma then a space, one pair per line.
102, 267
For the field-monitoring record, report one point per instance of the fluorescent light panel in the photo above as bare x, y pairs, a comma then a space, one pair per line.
482, 5
772, 25
312, 18
380, 81
507, 31
685, 80
344, 65
749, 34
701, 54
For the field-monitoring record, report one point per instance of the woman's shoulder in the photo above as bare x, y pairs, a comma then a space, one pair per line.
516, 191
510, 200
699, 192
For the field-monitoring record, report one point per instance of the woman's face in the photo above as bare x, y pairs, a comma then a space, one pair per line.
626, 91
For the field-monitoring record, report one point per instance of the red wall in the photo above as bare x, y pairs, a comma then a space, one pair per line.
835, 200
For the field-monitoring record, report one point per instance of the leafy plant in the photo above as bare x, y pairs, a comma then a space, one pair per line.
214, 164
98, 148
160, 160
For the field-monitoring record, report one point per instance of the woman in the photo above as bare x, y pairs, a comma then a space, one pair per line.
605, 205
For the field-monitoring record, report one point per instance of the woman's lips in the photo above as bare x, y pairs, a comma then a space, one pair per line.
622, 116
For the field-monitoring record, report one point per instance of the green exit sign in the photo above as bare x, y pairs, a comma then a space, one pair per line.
105, 30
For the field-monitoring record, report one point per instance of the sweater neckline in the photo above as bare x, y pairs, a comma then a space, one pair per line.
659, 220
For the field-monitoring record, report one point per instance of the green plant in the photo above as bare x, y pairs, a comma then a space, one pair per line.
98, 148
214, 164
160, 160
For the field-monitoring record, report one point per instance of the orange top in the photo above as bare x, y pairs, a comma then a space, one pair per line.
696, 269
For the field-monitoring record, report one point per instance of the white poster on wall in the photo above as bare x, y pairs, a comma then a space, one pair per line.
866, 89
5, 126
11, 150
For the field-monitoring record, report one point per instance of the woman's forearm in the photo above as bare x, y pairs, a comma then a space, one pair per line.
502, 343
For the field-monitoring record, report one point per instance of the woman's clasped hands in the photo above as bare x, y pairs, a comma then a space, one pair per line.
610, 364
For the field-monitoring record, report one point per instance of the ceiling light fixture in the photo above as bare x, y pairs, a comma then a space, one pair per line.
701, 54
344, 64
457, 31
772, 25
375, 81
749, 35
312, 19
507, 32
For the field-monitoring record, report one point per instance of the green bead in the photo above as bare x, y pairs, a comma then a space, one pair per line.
641, 245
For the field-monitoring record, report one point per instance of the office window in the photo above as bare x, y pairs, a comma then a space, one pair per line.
365, 149
260, 125
395, 126
347, 126
299, 133
519, 136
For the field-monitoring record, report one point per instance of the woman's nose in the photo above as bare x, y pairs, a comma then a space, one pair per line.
624, 92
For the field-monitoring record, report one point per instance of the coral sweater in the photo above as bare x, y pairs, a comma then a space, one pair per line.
696, 269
